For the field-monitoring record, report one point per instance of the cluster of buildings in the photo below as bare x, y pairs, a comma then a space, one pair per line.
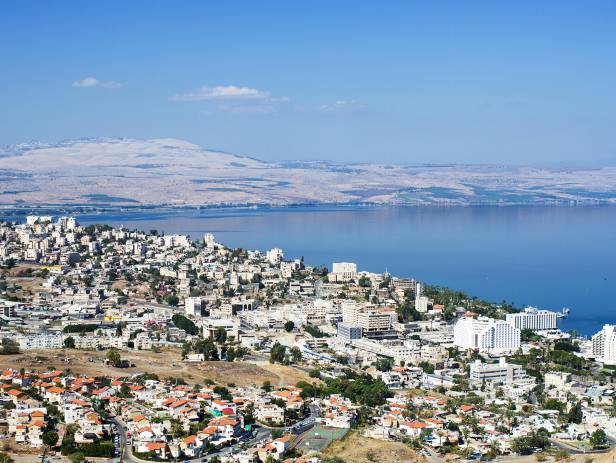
98, 287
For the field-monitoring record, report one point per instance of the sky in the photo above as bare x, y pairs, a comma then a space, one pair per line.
403, 82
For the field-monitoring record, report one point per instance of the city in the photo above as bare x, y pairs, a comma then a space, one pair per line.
136, 346
307, 232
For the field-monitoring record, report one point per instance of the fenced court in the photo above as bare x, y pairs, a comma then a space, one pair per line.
318, 438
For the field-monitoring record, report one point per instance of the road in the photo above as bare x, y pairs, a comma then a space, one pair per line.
126, 453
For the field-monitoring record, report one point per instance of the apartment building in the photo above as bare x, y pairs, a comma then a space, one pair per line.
604, 345
533, 319
486, 335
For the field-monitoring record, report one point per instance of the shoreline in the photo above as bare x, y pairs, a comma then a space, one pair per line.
19, 210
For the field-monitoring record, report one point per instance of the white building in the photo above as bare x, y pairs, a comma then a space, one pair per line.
343, 271
604, 345
193, 306
533, 319
170, 241
230, 325
486, 335
497, 373
209, 240
372, 321
41, 341
275, 256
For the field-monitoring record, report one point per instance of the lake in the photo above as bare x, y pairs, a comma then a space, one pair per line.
550, 257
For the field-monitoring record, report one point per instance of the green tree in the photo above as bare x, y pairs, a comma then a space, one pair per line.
598, 439
50, 438
288, 326
183, 323
220, 335
5, 458
113, 357
69, 342
575, 415
172, 299
9, 347
296, 354
277, 353
384, 364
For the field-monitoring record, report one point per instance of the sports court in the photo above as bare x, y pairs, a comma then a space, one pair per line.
318, 438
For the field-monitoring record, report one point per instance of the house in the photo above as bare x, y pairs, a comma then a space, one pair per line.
270, 413
412, 428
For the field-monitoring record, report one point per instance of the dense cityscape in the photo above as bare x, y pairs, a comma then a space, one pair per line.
139, 346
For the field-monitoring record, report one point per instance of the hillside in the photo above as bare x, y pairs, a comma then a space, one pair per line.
129, 172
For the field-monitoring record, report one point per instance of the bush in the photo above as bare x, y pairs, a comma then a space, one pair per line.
102, 449
183, 323
80, 328
9, 347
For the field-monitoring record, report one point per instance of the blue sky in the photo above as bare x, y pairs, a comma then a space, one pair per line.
499, 82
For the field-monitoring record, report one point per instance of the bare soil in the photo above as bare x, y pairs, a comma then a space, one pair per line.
165, 364
359, 449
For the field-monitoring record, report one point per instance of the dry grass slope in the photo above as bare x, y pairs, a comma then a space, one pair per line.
355, 448
165, 364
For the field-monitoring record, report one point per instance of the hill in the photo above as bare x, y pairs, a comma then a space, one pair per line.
129, 172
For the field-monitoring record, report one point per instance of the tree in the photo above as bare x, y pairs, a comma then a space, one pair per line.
5, 458
207, 348
288, 326
183, 323
598, 439
50, 438
575, 415
177, 430
384, 364
525, 445
220, 335
267, 386
69, 342
9, 347
296, 354
172, 299
554, 404
277, 353
113, 357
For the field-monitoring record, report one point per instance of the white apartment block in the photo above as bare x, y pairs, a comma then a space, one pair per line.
41, 341
374, 321
533, 319
370, 320
486, 335
170, 241
604, 345
343, 271
193, 305
421, 304
274, 256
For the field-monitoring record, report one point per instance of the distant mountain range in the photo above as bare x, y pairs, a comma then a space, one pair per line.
170, 172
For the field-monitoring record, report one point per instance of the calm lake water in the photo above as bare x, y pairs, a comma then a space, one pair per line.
550, 257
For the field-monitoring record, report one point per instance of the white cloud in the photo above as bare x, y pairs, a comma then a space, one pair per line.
234, 99
223, 92
340, 105
94, 82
